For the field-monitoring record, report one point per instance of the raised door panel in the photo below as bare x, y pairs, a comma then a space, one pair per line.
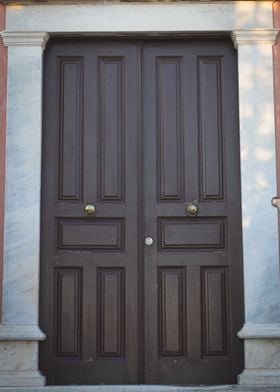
111, 313
214, 311
71, 79
170, 165
111, 128
172, 312
210, 114
68, 320
186, 233
98, 234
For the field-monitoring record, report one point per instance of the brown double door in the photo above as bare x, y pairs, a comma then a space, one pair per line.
141, 292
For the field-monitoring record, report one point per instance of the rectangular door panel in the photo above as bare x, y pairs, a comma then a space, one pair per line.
68, 299
111, 129
91, 234
210, 114
185, 233
111, 312
70, 128
169, 128
172, 309
214, 311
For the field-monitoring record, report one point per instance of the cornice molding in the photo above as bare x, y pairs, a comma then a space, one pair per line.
40, 2
18, 38
260, 331
254, 37
21, 332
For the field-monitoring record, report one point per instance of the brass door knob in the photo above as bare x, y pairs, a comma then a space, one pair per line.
192, 209
276, 202
89, 209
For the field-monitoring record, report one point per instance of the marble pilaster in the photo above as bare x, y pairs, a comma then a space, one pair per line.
261, 331
19, 331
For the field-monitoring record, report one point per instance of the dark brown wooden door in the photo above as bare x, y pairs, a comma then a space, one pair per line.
89, 264
140, 129
193, 285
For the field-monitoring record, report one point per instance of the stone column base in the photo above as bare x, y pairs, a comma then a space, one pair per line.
19, 356
262, 354
260, 377
21, 378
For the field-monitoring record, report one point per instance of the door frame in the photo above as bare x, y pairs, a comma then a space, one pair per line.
27, 31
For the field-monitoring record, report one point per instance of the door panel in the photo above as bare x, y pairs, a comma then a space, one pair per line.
193, 269
140, 129
89, 263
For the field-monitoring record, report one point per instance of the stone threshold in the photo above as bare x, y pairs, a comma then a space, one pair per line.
144, 388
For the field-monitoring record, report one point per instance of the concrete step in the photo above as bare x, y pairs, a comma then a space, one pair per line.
143, 388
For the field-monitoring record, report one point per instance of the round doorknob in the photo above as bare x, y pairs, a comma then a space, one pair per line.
149, 241
89, 209
276, 202
192, 209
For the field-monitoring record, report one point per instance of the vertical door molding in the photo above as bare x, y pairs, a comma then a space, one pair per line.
19, 331
261, 331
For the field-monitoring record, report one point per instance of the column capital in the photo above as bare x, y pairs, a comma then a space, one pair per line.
19, 38
260, 331
21, 332
254, 37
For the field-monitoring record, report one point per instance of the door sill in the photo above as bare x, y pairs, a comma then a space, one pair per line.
145, 388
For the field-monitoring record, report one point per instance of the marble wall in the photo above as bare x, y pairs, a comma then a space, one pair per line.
193, 16
251, 25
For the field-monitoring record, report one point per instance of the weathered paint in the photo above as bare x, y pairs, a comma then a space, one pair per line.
3, 89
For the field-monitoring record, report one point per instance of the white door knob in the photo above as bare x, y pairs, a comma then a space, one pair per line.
149, 241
